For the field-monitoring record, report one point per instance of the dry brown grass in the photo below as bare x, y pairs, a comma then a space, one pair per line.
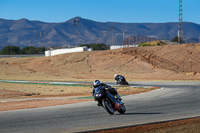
14, 90
45, 90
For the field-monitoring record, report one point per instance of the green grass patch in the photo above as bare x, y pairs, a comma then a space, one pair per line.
75, 85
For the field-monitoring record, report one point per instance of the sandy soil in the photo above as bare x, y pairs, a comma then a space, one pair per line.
179, 126
175, 62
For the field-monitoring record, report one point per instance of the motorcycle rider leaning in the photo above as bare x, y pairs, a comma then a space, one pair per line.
112, 91
117, 78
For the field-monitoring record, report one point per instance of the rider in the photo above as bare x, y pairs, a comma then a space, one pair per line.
113, 91
117, 78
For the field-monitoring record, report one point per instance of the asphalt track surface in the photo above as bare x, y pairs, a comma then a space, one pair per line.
175, 100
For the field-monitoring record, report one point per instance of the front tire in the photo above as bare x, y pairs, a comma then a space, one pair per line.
108, 107
127, 83
122, 110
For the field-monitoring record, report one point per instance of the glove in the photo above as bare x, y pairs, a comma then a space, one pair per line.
109, 87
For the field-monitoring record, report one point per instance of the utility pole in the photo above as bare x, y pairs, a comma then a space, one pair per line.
199, 37
76, 24
34, 38
136, 38
180, 27
111, 29
123, 43
41, 41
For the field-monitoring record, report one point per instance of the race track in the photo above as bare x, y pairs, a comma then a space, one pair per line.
175, 100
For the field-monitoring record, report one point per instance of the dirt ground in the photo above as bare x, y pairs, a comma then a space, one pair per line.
179, 126
170, 62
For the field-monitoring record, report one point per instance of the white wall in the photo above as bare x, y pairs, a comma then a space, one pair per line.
66, 50
122, 46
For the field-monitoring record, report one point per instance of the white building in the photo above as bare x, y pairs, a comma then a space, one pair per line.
66, 50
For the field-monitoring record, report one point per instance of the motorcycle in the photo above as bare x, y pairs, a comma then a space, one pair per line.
108, 101
122, 81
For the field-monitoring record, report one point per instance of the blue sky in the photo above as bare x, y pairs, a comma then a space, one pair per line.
127, 11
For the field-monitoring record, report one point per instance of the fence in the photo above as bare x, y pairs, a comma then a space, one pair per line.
122, 46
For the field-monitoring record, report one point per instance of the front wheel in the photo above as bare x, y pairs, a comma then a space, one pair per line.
126, 83
122, 110
108, 107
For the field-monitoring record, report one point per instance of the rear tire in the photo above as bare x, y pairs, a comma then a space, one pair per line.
108, 107
122, 110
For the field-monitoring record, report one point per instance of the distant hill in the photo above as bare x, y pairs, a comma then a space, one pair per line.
24, 32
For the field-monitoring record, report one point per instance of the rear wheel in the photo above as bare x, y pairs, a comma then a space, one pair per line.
108, 107
122, 110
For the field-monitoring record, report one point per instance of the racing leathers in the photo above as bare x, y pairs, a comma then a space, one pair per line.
117, 78
112, 91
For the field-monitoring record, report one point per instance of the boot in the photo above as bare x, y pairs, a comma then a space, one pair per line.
118, 97
98, 104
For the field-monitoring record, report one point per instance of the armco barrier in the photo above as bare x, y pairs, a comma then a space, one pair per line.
66, 50
122, 46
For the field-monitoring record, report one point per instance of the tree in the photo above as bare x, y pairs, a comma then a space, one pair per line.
175, 39
10, 50
15, 50
95, 46
32, 50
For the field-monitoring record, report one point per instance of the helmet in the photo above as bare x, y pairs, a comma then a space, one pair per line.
96, 83
116, 75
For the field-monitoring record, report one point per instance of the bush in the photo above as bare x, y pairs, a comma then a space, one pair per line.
10, 50
175, 39
153, 43
95, 46
32, 50
144, 44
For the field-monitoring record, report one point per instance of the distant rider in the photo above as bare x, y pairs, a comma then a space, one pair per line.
117, 78
112, 91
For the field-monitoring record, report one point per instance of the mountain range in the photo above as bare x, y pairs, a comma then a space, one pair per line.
78, 30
